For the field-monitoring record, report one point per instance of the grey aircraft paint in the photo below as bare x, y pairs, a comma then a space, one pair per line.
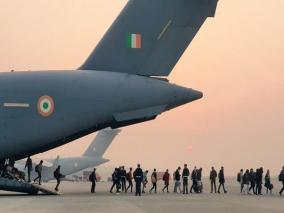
92, 157
42, 110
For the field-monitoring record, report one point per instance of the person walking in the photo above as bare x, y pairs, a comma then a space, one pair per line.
154, 180
221, 177
259, 177
93, 180
185, 176
123, 179
240, 177
246, 181
129, 178
145, 180
177, 180
166, 179
38, 170
57, 175
267, 182
252, 181
138, 177
281, 179
194, 179
115, 181
213, 176
29, 167
199, 181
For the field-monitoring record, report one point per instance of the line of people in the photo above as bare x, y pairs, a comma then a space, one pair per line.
120, 178
251, 180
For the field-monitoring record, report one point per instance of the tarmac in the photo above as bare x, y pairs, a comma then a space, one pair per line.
76, 198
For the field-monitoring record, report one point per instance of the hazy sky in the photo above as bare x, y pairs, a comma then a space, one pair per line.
237, 60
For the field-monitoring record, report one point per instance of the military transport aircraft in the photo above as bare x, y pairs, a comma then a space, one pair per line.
92, 157
120, 84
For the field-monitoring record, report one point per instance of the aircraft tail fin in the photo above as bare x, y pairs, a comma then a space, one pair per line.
101, 142
150, 36
56, 162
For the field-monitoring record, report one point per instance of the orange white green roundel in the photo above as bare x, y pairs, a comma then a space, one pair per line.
45, 106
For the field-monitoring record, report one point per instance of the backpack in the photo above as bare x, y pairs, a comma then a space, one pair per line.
128, 178
239, 177
36, 168
91, 177
153, 179
281, 176
56, 174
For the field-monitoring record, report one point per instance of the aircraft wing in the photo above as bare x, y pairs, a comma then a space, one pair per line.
45, 162
149, 36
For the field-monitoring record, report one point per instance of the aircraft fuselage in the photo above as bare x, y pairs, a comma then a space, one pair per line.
43, 110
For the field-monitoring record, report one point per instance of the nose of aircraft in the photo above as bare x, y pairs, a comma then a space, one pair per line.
183, 95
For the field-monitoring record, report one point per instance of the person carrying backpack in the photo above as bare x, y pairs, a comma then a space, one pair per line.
221, 177
240, 177
129, 178
281, 179
93, 180
267, 182
115, 181
252, 181
58, 176
166, 179
177, 176
154, 181
38, 170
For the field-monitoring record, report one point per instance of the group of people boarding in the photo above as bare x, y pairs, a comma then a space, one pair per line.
251, 180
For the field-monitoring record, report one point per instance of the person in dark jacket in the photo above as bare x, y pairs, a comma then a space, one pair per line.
246, 181
221, 177
93, 180
57, 175
185, 176
138, 177
259, 177
154, 180
38, 170
123, 179
252, 181
213, 176
129, 178
267, 182
177, 180
240, 179
281, 178
115, 181
199, 180
29, 167
166, 179
194, 179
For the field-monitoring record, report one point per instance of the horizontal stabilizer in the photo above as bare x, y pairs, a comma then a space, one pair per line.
149, 36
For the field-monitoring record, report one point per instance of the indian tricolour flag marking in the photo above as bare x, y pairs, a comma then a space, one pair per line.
134, 41
45, 106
